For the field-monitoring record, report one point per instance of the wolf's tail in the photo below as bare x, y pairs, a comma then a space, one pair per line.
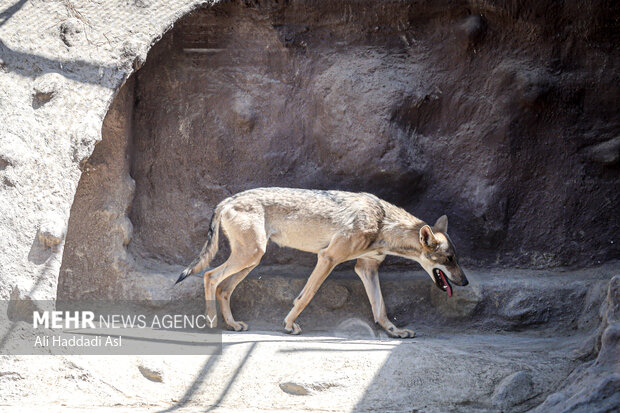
208, 250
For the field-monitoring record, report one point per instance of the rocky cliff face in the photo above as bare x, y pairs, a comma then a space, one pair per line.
474, 112
504, 118
60, 66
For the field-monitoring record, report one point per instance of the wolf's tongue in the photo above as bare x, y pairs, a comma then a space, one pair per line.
443, 278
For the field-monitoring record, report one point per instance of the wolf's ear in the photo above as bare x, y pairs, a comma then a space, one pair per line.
442, 224
427, 238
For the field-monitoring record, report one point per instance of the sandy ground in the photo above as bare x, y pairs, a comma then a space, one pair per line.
351, 365
260, 371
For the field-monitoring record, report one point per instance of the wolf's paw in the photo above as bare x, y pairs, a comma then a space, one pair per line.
400, 332
294, 329
238, 326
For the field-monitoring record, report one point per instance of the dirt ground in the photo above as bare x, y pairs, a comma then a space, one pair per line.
506, 343
272, 371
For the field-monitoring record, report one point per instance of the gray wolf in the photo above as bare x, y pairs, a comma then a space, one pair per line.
337, 226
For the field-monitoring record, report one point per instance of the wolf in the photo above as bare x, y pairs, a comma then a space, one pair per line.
337, 226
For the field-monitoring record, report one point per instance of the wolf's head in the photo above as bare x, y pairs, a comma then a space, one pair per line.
438, 256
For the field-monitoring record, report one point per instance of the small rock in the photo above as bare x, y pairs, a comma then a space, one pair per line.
606, 153
143, 4
21, 305
133, 53
355, 328
8, 182
70, 31
243, 112
473, 29
10, 375
524, 309
306, 386
294, 388
84, 136
152, 373
513, 390
4, 162
52, 230
45, 88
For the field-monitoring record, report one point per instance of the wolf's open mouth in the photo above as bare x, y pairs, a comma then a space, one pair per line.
441, 281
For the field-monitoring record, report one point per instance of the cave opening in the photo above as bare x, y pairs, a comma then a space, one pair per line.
435, 111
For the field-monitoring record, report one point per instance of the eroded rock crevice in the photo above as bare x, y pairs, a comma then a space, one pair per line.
95, 256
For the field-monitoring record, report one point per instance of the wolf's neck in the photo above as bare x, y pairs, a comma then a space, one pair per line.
400, 230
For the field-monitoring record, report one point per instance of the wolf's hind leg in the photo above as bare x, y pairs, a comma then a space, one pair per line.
248, 241
237, 262
223, 293
368, 271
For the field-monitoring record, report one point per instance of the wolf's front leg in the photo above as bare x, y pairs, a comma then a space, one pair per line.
394, 331
368, 271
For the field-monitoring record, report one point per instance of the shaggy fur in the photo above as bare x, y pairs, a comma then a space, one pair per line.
337, 226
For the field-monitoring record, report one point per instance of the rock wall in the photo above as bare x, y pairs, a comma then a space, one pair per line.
502, 116
505, 118
99, 230
593, 386
61, 63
